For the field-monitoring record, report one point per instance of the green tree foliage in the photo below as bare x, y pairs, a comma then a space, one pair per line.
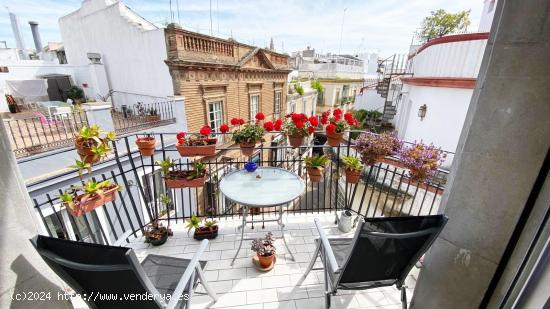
441, 22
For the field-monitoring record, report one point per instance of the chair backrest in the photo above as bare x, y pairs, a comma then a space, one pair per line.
100, 272
386, 249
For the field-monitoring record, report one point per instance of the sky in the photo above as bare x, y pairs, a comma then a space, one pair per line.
336, 26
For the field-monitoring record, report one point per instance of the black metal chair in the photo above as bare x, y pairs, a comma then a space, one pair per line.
112, 277
382, 253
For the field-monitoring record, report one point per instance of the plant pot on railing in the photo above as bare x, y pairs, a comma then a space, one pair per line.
295, 140
247, 148
204, 232
335, 139
352, 176
86, 154
85, 203
198, 150
315, 173
152, 118
146, 145
184, 179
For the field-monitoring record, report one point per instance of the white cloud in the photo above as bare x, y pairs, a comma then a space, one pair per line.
368, 24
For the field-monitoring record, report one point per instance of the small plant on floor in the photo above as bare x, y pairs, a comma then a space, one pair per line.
204, 229
156, 233
353, 167
315, 167
422, 160
265, 250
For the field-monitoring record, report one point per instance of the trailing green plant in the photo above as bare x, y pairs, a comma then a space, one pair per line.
81, 166
352, 163
90, 189
316, 84
316, 161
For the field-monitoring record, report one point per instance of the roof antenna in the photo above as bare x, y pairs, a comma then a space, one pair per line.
211, 18
178, 8
171, 13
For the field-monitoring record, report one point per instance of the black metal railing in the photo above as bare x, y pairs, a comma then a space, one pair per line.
140, 116
385, 189
41, 133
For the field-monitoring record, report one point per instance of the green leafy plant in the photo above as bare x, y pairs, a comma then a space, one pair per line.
250, 133
192, 223
441, 22
165, 165
199, 170
298, 87
165, 200
316, 84
81, 166
352, 163
75, 93
316, 161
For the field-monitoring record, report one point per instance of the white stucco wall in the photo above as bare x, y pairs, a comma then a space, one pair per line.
369, 100
446, 111
487, 15
132, 49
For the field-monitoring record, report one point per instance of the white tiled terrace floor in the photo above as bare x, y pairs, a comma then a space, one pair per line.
242, 286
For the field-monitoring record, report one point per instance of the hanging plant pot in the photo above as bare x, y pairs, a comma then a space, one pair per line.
334, 139
206, 233
86, 154
192, 151
315, 173
352, 176
146, 146
84, 203
247, 148
295, 140
152, 118
110, 195
176, 183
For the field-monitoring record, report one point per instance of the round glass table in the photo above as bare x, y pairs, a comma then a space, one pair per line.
265, 187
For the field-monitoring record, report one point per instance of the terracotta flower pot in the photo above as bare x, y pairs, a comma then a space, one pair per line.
84, 204
185, 183
205, 233
265, 261
315, 173
152, 118
352, 176
86, 154
146, 146
247, 148
295, 140
110, 194
191, 151
335, 139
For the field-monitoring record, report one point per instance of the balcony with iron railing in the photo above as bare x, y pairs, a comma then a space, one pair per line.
385, 189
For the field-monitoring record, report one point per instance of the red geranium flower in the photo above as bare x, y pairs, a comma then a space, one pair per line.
268, 126
331, 129
180, 135
278, 124
206, 130
235, 121
348, 116
296, 117
181, 141
260, 116
325, 114
324, 120
337, 112
314, 121
337, 117
299, 124
303, 117
311, 130
241, 121
224, 128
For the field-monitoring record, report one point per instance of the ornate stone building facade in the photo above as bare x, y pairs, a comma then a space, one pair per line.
221, 79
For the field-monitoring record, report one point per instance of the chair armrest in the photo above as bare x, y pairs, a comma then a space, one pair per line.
331, 259
187, 275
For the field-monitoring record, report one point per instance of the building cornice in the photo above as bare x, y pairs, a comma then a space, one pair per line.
443, 82
451, 39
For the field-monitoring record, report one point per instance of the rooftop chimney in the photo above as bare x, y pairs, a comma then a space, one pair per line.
36, 36
18, 37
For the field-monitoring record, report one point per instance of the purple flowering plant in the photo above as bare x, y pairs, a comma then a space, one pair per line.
422, 160
374, 147
264, 246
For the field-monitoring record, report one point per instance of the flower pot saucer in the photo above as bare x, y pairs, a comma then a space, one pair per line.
256, 263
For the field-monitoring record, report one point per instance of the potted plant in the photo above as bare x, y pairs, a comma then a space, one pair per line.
299, 126
183, 179
152, 115
146, 145
92, 143
265, 250
336, 125
83, 199
204, 229
374, 147
315, 166
76, 94
422, 160
202, 144
353, 168
249, 134
155, 232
